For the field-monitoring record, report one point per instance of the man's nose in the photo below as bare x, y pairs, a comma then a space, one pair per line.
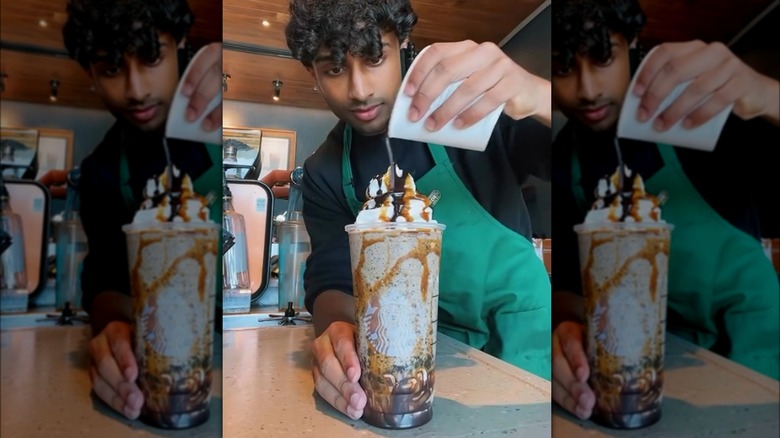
136, 87
360, 86
588, 86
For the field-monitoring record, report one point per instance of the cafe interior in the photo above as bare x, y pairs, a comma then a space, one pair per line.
273, 119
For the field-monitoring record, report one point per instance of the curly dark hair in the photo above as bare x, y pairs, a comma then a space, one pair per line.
346, 26
122, 26
583, 26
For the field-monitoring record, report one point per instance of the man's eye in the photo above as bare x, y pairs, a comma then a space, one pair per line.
376, 61
606, 61
111, 71
562, 71
335, 71
154, 62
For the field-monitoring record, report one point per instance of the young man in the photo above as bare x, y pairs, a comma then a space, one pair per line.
494, 291
723, 292
133, 51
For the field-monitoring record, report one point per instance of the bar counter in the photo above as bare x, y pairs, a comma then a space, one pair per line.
705, 395
269, 391
46, 390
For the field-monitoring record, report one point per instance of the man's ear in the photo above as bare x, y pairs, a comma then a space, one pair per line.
182, 43
405, 43
633, 44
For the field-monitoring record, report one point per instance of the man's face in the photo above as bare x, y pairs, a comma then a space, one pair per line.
361, 92
139, 90
591, 91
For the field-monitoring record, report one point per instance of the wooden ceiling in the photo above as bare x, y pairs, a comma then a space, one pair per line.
252, 74
28, 74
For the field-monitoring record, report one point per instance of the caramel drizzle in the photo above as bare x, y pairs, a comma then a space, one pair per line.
613, 379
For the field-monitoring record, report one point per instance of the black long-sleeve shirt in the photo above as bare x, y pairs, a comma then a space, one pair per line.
516, 150
103, 208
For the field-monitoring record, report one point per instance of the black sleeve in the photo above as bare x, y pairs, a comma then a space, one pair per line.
566, 212
528, 146
325, 213
102, 214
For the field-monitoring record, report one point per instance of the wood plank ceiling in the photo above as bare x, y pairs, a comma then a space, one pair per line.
252, 74
38, 24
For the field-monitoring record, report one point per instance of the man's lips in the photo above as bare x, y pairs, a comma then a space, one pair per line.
144, 114
595, 114
367, 113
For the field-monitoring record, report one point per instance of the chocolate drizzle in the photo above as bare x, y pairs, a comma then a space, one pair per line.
400, 192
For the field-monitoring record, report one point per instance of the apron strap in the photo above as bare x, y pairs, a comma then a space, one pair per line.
347, 185
124, 177
576, 175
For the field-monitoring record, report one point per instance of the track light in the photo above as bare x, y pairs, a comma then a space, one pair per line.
277, 90
225, 78
55, 85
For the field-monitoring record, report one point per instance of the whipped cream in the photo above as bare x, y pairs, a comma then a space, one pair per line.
179, 204
401, 203
629, 204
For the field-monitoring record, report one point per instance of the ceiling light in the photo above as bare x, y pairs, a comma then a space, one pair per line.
54, 85
43, 23
277, 90
266, 23
225, 78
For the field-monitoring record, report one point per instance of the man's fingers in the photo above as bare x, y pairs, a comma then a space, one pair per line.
119, 338
211, 57
561, 369
562, 396
116, 399
659, 59
346, 353
572, 344
104, 362
332, 395
682, 64
203, 82
468, 102
432, 72
214, 120
205, 91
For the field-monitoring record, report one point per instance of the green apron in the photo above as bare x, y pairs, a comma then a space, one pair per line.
719, 276
209, 182
494, 290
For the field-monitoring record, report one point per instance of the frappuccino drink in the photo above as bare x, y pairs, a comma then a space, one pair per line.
172, 253
395, 246
624, 253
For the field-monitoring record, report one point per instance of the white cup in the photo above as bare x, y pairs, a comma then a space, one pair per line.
703, 137
177, 125
474, 137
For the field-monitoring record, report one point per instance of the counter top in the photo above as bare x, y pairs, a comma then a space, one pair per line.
44, 373
269, 391
704, 395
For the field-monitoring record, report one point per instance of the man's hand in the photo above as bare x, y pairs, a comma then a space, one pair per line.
336, 369
719, 79
203, 83
570, 370
113, 370
488, 72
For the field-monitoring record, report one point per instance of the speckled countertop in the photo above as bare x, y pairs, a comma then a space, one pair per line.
705, 395
269, 392
46, 390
